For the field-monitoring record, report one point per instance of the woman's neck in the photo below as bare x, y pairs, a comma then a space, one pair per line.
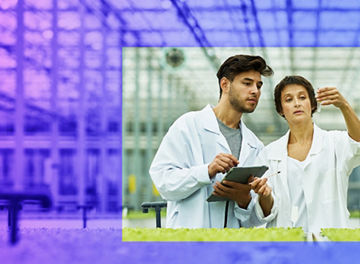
302, 132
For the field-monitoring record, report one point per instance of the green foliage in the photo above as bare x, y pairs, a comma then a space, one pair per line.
341, 234
355, 214
213, 234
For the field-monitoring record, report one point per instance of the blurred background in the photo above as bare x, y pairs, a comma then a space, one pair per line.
88, 88
160, 84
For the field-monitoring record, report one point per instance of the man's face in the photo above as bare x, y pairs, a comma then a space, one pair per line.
244, 91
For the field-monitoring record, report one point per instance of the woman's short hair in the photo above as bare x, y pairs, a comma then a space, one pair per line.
294, 79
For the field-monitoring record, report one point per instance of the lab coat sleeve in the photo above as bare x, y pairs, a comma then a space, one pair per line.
176, 169
256, 215
244, 214
347, 151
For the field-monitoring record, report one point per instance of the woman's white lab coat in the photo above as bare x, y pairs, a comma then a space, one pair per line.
180, 173
332, 157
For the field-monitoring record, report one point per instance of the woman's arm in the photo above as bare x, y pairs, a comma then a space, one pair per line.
264, 191
330, 95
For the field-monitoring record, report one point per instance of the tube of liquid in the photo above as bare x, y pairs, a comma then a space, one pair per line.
318, 103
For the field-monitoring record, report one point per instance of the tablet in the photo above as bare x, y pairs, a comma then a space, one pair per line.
240, 175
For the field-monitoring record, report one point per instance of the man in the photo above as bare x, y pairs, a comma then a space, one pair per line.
202, 145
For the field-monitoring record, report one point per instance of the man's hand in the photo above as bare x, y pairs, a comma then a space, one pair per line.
260, 186
237, 192
222, 163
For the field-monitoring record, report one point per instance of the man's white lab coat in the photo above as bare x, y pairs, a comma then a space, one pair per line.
180, 173
332, 157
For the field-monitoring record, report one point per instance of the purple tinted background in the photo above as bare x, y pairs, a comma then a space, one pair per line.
207, 23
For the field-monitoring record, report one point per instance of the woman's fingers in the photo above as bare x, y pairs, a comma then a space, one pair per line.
330, 96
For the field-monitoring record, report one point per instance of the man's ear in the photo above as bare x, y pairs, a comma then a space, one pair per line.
225, 84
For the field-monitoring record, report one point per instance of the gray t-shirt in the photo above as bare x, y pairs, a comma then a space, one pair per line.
233, 137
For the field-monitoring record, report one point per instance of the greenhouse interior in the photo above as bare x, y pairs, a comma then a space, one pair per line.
89, 88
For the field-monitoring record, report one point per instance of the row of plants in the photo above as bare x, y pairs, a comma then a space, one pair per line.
213, 234
131, 214
243, 234
341, 234
234, 234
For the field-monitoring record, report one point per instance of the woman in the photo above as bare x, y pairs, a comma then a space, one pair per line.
311, 165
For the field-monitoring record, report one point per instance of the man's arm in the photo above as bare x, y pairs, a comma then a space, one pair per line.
173, 171
178, 168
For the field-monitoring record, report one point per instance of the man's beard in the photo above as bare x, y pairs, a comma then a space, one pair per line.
238, 105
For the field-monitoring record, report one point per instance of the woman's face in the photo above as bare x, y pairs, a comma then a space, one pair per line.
295, 102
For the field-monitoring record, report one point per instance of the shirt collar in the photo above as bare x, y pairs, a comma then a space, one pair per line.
280, 149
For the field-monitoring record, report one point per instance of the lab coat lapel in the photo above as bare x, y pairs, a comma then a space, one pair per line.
279, 155
317, 141
316, 146
221, 140
280, 151
211, 125
246, 145
282, 155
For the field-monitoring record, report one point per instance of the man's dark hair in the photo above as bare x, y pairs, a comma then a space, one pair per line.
242, 63
294, 79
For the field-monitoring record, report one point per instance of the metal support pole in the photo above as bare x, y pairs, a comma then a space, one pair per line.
160, 112
9, 216
19, 104
158, 216
84, 216
14, 208
157, 206
137, 118
104, 121
81, 114
125, 171
169, 99
54, 179
146, 180
84, 209
121, 123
